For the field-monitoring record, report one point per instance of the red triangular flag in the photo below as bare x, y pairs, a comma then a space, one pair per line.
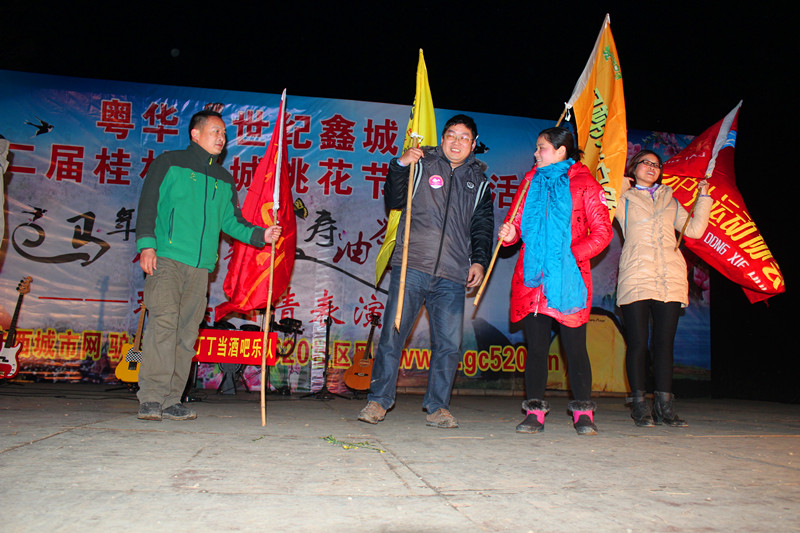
732, 243
247, 281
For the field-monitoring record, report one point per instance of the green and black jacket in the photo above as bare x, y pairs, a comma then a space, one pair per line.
187, 200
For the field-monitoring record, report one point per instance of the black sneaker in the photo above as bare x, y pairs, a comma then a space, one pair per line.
178, 412
149, 411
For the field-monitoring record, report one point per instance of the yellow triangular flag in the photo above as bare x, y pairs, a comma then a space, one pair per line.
422, 123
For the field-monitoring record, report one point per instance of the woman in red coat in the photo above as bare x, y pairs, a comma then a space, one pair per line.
563, 222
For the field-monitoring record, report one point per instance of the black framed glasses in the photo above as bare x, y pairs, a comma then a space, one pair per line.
651, 164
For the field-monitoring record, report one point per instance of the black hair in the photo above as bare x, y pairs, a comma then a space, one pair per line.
559, 137
466, 121
199, 119
634, 162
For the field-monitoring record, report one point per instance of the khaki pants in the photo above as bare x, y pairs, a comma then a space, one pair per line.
175, 296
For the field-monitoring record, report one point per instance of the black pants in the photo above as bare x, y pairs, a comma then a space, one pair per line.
637, 329
537, 332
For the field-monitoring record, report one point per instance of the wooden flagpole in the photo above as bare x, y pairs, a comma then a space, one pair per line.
398, 316
719, 143
686, 223
268, 311
525, 186
500, 242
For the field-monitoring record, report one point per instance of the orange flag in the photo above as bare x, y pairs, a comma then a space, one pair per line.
599, 102
247, 281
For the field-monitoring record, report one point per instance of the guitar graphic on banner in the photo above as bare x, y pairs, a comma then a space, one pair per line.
128, 368
359, 375
9, 354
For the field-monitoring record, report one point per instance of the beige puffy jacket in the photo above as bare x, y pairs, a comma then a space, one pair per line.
649, 265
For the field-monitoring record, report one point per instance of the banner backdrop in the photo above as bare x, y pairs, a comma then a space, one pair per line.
80, 148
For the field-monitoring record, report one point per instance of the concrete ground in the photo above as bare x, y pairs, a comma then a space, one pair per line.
73, 457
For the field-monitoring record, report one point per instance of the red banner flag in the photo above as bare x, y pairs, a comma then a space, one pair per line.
247, 281
732, 243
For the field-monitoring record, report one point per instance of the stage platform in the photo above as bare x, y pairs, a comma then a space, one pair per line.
74, 457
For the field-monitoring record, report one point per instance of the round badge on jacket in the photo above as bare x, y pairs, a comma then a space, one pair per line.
436, 181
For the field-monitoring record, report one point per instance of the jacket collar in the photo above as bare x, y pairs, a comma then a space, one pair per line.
470, 160
199, 151
662, 196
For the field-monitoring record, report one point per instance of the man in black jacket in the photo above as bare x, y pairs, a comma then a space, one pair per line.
452, 224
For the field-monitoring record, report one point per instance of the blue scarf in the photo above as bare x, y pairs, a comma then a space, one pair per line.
546, 230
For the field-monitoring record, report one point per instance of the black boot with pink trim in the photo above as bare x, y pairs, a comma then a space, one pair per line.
534, 422
583, 417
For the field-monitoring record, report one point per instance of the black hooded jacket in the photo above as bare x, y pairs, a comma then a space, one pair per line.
452, 215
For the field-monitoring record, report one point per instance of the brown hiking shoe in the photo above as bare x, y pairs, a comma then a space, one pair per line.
442, 419
372, 413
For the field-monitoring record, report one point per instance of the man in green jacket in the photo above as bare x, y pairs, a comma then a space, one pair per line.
187, 200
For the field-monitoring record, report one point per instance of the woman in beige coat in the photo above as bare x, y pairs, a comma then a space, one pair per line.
653, 281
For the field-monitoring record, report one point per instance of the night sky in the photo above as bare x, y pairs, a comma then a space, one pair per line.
684, 64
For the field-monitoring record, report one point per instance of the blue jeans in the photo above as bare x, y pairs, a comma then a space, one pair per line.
444, 300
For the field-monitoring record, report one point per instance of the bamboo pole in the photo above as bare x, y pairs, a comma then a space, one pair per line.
500, 243
268, 311
686, 223
510, 218
265, 342
398, 315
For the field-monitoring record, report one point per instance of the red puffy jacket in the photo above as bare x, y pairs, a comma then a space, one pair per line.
591, 233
